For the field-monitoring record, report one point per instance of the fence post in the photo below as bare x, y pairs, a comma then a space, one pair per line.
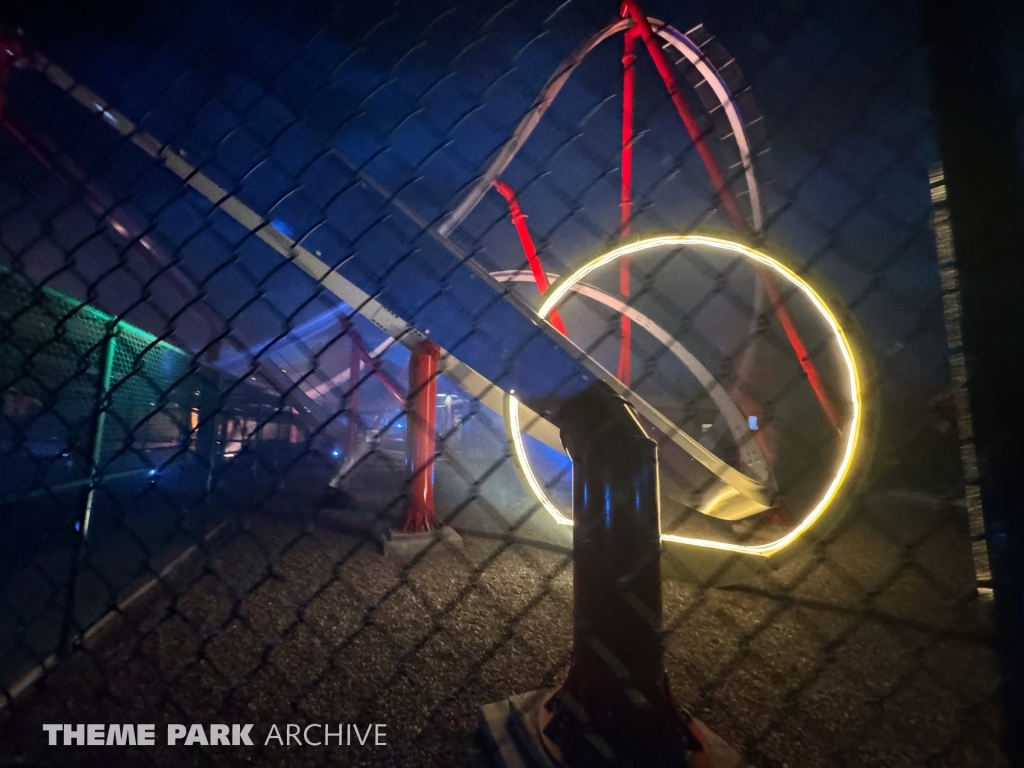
83, 521
99, 425
209, 403
421, 410
972, 98
207, 445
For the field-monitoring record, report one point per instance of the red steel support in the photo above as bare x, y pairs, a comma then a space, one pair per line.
771, 288
420, 438
643, 27
519, 220
19, 135
359, 348
625, 369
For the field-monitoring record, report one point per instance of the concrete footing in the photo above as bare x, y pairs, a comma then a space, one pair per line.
511, 731
356, 522
405, 546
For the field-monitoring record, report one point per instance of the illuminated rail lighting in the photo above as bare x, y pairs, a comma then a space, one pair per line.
851, 429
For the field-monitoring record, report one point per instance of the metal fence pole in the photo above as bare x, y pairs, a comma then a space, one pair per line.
83, 521
207, 443
984, 184
99, 423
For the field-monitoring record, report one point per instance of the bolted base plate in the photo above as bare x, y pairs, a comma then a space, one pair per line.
511, 730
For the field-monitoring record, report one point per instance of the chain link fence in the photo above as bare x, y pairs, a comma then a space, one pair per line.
227, 230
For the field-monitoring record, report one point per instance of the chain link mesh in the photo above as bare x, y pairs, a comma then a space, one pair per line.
204, 438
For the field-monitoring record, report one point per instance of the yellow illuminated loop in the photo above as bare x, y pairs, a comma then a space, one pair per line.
850, 432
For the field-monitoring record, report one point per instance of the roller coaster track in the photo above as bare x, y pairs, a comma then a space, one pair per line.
716, 79
753, 484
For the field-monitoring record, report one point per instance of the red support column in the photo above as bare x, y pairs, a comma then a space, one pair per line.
771, 288
643, 28
421, 412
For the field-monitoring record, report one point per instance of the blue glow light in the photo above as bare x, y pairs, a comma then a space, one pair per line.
752, 421
283, 228
335, 453
152, 472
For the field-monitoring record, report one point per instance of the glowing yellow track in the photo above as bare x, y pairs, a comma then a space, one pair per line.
850, 433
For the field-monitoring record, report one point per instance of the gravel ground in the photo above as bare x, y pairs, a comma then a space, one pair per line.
864, 651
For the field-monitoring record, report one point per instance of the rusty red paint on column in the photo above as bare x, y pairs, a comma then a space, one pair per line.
421, 410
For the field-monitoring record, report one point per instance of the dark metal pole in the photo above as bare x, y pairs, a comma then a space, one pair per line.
209, 405
83, 520
984, 183
99, 425
615, 707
